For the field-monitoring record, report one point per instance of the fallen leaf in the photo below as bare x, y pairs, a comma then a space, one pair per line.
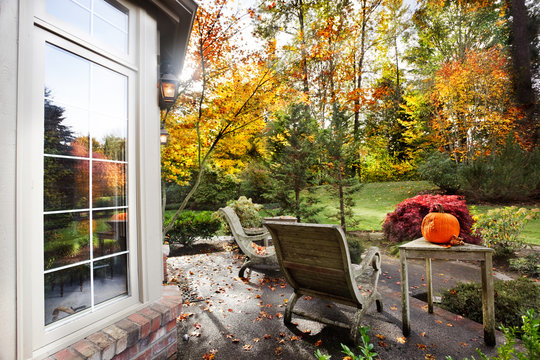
247, 347
197, 325
380, 337
278, 350
421, 346
256, 340
236, 341
267, 336
438, 321
208, 356
382, 344
449, 325
318, 343
401, 340
463, 344
429, 357
423, 334
393, 308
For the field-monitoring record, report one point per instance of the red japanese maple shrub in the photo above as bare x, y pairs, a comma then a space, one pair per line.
404, 223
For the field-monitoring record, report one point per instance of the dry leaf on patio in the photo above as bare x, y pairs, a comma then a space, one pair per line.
247, 347
267, 336
208, 356
449, 325
278, 350
318, 343
197, 325
423, 334
464, 344
380, 337
421, 346
393, 308
429, 357
401, 340
382, 344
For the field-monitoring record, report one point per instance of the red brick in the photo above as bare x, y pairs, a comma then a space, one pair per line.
67, 354
171, 325
164, 310
154, 317
143, 321
172, 305
156, 335
104, 343
120, 336
132, 329
173, 349
147, 355
127, 354
87, 349
161, 356
164, 343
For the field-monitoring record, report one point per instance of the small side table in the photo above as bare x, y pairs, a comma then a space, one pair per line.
422, 249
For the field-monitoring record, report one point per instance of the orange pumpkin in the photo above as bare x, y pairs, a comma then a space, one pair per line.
120, 216
440, 227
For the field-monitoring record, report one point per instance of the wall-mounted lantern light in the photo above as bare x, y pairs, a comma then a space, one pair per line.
163, 135
168, 90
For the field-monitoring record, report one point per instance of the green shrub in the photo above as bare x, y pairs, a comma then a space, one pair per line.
501, 228
530, 336
512, 300
366, 349
440, 169
527, 265
510, 174
191, 225
247, 211
356, 249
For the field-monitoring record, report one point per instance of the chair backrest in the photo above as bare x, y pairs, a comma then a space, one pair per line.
315, 260
237, 230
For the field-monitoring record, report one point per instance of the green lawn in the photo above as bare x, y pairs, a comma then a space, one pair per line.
375, 200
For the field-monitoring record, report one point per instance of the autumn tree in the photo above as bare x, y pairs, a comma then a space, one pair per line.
234, 91
474, 105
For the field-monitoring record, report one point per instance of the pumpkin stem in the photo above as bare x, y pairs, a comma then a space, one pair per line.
439, 208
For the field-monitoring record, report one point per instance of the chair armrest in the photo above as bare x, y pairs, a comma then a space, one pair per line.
255, 231
372, 258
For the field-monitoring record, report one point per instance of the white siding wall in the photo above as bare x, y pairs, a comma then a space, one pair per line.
8, 109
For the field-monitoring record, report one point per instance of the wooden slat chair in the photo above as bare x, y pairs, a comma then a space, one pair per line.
315, 261
253, 260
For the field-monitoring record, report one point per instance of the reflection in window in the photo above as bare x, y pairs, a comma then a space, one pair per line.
85, 183
99, 18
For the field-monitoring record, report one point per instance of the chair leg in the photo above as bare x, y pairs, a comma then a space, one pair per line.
246, 264
290, 305
356, 324
378, 300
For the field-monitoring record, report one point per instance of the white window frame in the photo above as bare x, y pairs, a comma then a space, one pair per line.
34, 339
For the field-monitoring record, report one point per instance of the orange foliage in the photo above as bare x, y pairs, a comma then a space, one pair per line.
474, 106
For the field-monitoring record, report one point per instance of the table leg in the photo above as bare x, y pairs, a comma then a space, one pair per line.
488, 302
429, 286
405, 315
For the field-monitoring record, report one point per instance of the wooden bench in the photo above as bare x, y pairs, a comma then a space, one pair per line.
315, 261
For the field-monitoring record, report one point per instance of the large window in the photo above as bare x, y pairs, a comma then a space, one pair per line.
85, 205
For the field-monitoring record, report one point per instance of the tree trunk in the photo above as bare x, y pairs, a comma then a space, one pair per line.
521, 57
341, 200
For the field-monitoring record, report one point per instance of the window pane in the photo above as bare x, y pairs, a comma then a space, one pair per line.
109, 34
110, 142
67, 292
66, 239
66, 184
111, 14
108, 183
70, 12
111, 236
110, 278
67, 77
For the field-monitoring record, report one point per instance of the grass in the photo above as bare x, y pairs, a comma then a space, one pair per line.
375, 200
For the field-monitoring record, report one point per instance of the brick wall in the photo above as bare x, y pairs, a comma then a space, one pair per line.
148, 334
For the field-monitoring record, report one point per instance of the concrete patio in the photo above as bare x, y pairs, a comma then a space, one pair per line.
225, 317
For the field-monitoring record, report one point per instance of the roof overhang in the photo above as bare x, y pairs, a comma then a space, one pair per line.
175, 21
